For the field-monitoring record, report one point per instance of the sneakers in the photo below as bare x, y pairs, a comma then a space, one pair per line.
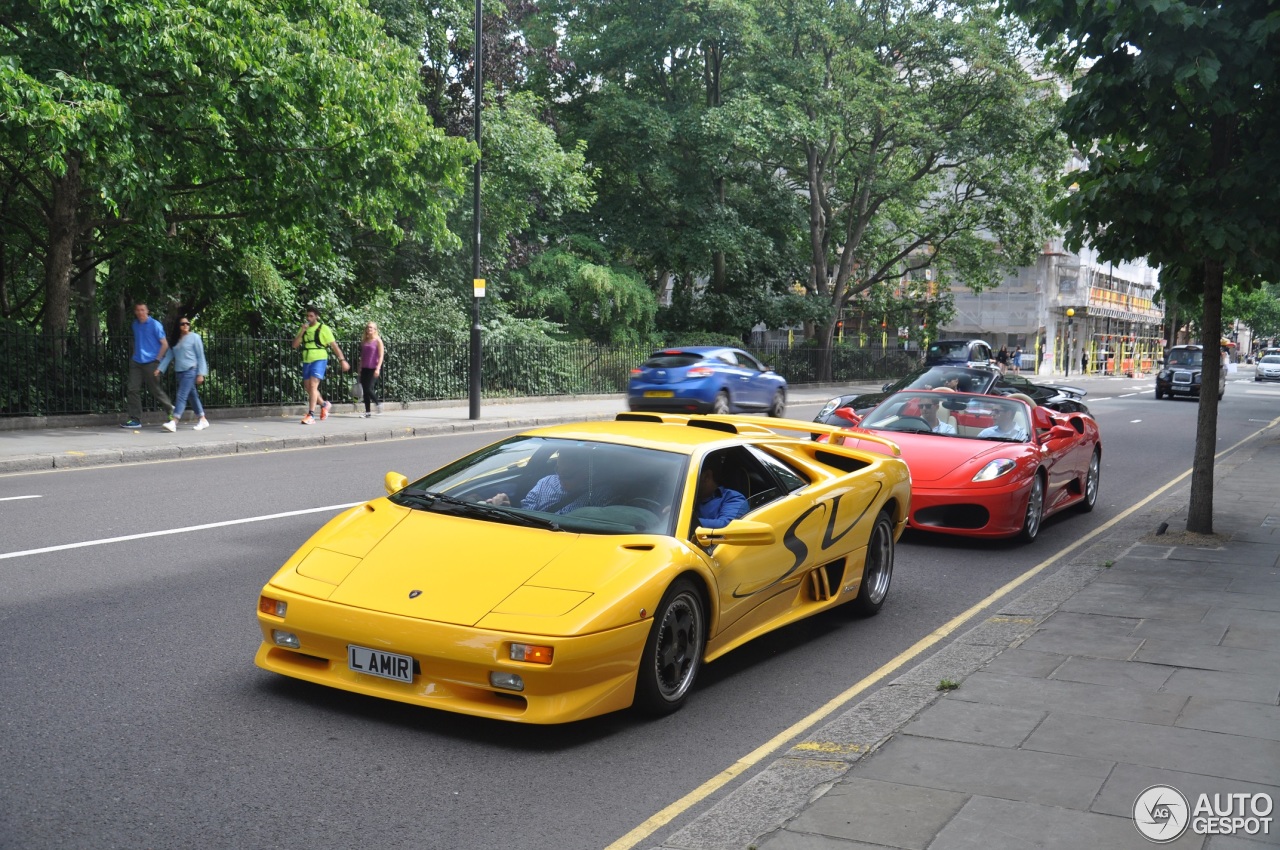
132, 423
170, 426
308, 420
201, 425
367, 414
324, 410
379, 410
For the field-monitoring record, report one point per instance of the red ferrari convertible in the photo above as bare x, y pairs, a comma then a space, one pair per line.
987, 466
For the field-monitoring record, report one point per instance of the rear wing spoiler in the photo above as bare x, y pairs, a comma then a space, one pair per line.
755, 426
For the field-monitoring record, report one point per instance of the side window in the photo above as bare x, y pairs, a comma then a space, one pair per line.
726, 357
747, 361
788, 478
742, 470
981, 352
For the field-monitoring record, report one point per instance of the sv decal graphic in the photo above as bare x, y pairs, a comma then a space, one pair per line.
797, 547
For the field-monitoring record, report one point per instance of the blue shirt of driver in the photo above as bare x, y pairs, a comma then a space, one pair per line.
722, 508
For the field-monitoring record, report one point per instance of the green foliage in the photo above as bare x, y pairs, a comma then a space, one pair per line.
603, 304
919, 139
1175, 105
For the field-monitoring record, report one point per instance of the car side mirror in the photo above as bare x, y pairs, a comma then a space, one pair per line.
1161, 361
885, 388
1060, 432
740, 532
394, 482
848, 414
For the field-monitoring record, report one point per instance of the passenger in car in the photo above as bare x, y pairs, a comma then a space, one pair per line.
717, 506
1006, 428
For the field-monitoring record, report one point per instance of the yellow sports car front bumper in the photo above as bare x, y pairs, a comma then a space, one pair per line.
589, 674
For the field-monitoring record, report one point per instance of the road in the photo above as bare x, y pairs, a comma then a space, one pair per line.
132, 715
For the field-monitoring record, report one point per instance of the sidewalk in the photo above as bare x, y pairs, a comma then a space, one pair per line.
99, 445
1145, 660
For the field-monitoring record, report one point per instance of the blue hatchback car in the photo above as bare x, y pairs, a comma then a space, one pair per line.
706, 379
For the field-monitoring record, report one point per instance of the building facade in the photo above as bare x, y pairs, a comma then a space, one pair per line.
1071, 312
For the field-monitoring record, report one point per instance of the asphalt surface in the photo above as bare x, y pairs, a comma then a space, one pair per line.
133, 716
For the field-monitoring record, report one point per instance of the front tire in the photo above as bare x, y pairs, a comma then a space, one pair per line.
877, 572
721, 405
1091, 482
1034, 516
779, 407
1159, 393
673, 651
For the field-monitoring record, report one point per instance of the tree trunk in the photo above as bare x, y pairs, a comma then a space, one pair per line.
64, 196
87, 323
1200, 513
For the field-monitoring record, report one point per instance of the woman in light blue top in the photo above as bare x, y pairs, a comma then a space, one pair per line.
187, 355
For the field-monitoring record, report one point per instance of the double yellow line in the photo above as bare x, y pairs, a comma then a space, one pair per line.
777, 742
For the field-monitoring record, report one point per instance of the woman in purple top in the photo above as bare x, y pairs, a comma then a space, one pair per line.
371, 353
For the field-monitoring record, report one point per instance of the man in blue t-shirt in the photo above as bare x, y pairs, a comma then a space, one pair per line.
149, 345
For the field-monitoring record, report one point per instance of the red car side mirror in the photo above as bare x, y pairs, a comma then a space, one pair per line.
847, 413
1060, 432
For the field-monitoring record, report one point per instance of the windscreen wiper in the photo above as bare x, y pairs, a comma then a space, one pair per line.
431, 498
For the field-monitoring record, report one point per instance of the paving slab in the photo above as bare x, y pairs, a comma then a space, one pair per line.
1168, 747
976, 723
1092, 624
1232, 716
1251, 637
1124, 674
1127, 781
992, 824
1076, 697
1051, 779
1120, 607
880, 813
1167, 630
1082, 643
1228, 659
1024, 662
1214, 683
1234, 616
1216, 597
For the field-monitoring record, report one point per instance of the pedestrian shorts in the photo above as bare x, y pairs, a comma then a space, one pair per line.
314, 369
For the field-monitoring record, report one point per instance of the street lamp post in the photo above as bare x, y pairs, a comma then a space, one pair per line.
477, 283
1070, 322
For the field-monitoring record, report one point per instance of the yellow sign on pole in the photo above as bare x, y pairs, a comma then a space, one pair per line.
477, 287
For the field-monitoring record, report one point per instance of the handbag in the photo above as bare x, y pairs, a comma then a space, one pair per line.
357, 391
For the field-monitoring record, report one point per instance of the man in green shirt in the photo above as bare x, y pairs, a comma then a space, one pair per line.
316, 340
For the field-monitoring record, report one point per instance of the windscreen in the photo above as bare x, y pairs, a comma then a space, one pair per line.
563, 485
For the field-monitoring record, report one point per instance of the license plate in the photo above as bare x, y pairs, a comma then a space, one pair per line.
375, 662
659, 394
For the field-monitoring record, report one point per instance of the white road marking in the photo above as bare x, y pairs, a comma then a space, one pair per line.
166, 532
16, 498
1134, 421
1127, 395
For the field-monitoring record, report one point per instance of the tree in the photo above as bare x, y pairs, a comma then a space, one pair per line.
1175, 104
915, 132
209, 129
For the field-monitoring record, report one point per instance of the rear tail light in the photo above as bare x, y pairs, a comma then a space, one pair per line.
637, 371
699, 372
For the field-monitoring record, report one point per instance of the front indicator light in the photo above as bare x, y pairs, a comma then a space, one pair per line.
994, 469
506, 681
531, 653
274, 607
286, 639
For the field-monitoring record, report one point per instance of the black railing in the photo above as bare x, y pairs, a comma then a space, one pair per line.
40, 376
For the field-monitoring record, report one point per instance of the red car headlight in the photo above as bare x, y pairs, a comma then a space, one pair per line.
995, 469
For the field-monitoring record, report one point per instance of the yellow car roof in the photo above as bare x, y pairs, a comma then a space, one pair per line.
666, 436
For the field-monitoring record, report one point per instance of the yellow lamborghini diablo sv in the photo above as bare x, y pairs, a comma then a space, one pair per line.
576, 570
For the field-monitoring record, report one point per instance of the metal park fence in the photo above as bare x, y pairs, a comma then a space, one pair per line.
43, 376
